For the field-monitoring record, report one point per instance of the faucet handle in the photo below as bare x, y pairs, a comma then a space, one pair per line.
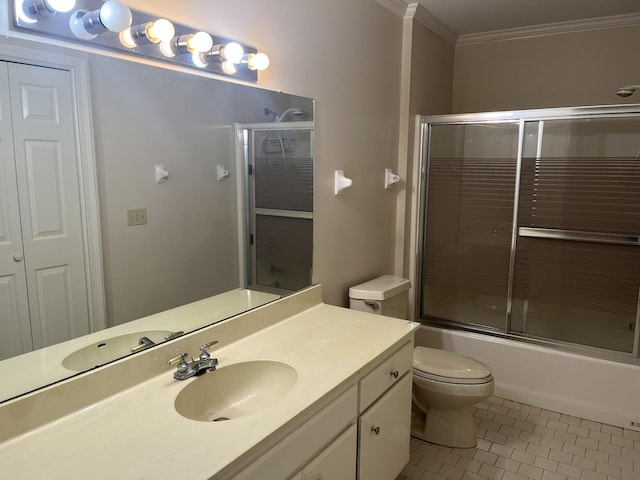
181, 360
204, 349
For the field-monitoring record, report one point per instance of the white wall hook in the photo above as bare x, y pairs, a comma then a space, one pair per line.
341, 182
390, 178
222, 172
161, 174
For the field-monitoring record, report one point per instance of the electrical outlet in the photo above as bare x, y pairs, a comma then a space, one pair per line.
136, 216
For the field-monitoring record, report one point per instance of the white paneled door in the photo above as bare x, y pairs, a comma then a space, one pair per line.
43, 288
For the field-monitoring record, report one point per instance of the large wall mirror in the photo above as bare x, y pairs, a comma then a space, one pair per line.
203, 190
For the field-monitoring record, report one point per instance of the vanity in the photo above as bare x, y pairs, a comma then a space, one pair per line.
310, 391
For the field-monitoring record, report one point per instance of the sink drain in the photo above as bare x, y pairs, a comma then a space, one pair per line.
220, 419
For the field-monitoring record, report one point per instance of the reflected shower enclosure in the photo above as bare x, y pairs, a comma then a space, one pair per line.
278, 165
530, 226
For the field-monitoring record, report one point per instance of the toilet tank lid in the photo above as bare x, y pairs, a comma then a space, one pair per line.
448, 364
380, 288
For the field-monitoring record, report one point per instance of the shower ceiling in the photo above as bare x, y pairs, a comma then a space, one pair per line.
476, 16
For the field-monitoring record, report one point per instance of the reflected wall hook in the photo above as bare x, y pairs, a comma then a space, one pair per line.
161, 174
222, 172
341, 182
390, 178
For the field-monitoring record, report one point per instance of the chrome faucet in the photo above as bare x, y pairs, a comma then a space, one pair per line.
197, 366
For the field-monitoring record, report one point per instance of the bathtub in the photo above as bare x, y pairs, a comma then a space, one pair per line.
590, 388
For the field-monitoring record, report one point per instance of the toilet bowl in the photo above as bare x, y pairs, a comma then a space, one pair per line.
445, 386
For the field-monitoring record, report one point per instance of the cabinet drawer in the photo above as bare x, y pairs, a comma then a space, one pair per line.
292, 452
384, 433
337, 461
385, 375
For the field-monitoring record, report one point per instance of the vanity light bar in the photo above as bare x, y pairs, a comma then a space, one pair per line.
114, 26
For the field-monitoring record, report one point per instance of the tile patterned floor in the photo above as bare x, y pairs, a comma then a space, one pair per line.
521, 442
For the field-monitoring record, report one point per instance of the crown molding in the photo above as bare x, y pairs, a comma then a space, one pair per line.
615, 21
420, 14
398, 7
427, 19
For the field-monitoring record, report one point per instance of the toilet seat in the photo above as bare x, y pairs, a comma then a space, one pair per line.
448, 367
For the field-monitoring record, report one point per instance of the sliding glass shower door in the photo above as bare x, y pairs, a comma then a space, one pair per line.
531, 224
577, 262
469, 209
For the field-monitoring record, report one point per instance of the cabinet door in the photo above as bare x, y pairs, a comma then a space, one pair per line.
384, 434
337, 461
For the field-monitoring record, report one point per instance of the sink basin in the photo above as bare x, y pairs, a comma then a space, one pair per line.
109, 349
235, 391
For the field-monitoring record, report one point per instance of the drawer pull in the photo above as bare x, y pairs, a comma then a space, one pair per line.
376, 430
395, 373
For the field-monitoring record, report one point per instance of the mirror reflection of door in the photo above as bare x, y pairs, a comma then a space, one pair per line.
280, 180
43, 288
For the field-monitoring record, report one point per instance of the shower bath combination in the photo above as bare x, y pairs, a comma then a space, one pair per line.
531, 227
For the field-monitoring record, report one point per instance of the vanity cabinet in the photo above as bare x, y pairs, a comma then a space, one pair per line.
385, 422
362, 434
315, 435
337, 461
384, 434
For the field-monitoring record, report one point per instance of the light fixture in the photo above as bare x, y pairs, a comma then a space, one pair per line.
257, 61
111, 25
230, 52
46, 8
112, 16
158, 31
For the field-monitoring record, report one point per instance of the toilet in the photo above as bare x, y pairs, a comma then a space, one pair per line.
445, 384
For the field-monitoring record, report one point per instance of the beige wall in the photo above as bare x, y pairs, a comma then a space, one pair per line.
583, 68
188, 249
346, 56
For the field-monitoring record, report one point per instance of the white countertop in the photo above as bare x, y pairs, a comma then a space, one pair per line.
137, 434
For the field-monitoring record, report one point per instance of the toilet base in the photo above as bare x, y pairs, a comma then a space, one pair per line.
448, 427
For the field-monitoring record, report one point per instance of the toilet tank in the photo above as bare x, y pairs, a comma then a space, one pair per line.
386, 295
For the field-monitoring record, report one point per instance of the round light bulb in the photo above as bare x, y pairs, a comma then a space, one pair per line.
126, 39
258, 61
199, 42
115, 16
232, 52
228, 67
166, 49
62, 6
198, 60
76, 24
24, 12
161, 30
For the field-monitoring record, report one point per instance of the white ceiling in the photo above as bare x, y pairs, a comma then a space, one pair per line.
476, 16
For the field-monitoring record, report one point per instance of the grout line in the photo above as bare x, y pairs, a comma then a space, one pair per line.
517, 441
